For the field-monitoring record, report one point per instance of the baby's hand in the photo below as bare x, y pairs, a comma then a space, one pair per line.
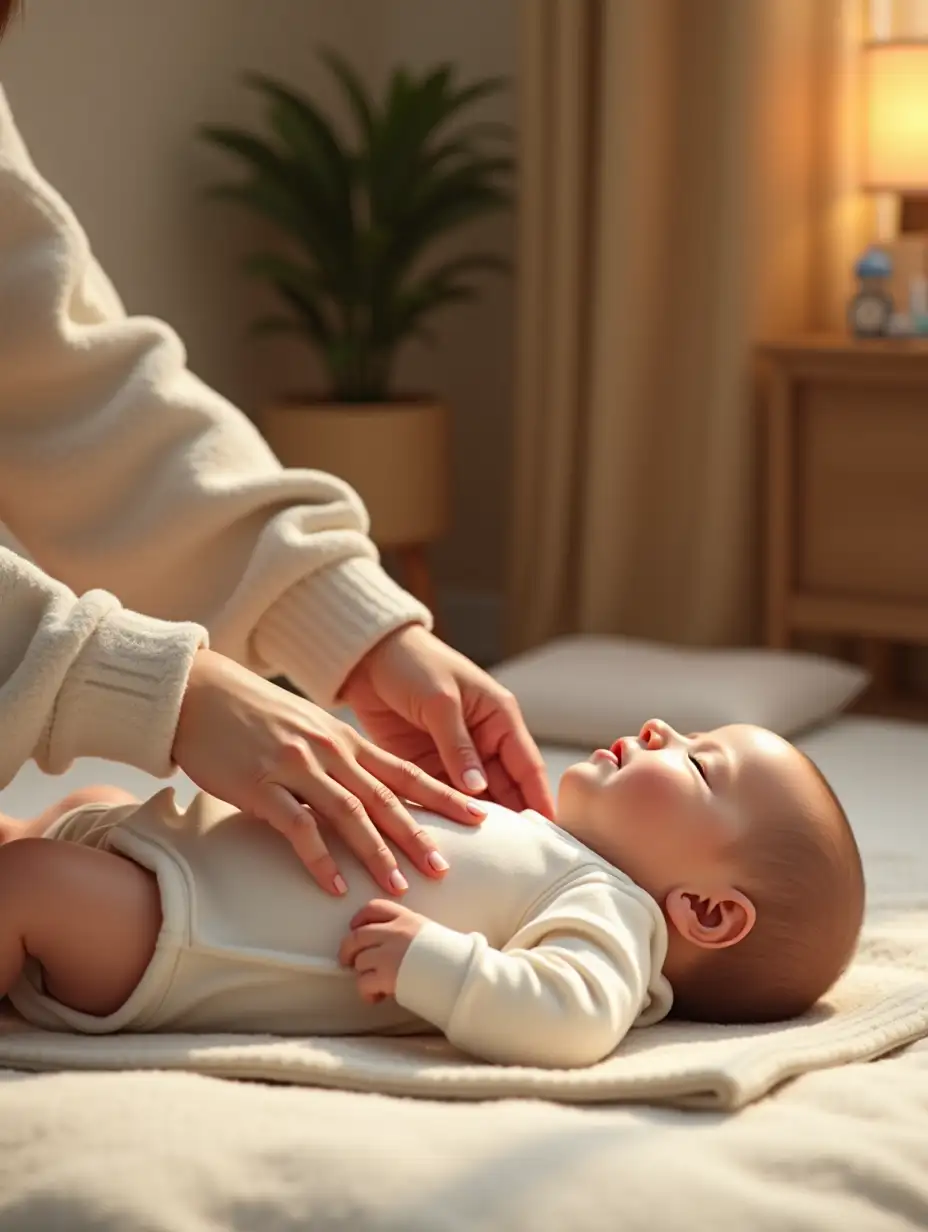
381, 933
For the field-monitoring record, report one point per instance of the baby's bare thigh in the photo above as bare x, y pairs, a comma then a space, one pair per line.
85, 797
81, 798
91, 919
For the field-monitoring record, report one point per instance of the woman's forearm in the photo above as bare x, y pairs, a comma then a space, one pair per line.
119, 469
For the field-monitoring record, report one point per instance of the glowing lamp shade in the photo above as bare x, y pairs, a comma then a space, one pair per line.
896, 121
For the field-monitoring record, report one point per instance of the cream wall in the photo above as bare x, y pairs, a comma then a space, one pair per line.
108, 93
472, 365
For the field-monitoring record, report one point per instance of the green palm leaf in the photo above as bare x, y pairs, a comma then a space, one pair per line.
359, 215
419, 231
309, 136
353, 90
300, 290
288, 195
252, 150
410, 308
263, 198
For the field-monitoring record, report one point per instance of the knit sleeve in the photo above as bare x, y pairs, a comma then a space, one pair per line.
120, 470
562, 993
83, 677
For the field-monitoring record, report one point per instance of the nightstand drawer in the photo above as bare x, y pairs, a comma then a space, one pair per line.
861, 491
846, 435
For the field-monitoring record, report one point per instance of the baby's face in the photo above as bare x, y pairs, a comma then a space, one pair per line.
668, 809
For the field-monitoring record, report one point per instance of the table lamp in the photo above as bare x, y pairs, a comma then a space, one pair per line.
895, 166
895, 155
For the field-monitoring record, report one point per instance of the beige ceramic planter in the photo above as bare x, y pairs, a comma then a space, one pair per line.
395, 455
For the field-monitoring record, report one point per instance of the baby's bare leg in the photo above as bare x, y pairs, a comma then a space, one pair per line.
91, 919
83, 797
11, 827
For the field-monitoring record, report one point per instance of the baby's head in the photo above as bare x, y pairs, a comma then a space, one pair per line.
739, 838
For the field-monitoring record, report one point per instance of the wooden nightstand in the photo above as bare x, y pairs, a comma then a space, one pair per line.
846, 456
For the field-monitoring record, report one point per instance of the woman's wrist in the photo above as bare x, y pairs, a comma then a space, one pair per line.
206, 670
321, 628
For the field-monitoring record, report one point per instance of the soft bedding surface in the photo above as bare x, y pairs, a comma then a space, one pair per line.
845, 1146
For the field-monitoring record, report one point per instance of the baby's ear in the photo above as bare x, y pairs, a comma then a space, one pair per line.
711, 920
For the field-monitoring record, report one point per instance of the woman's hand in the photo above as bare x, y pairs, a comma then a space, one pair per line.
291, 764
430, 705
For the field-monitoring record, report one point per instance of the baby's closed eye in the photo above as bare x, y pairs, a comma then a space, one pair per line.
700, 767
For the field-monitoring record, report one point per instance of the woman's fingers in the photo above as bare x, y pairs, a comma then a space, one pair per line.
522, 761
393, 820
341, 808
443, 714
356, 789
408, 781
325, 777
502, 789
298, 825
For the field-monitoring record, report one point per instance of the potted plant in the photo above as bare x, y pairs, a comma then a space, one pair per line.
359, 213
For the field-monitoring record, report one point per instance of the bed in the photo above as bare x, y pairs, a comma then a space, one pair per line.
186, 1153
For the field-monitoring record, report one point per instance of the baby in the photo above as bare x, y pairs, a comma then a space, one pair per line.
713, 876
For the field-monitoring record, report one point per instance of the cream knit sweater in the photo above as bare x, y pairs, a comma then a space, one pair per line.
126, 481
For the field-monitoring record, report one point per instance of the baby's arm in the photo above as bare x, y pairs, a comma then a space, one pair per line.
91, 919
563, 992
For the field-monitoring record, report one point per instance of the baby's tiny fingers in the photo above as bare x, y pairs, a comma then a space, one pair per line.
358, 939
350, 948
367, 961
377, 911
370, 988
346, 951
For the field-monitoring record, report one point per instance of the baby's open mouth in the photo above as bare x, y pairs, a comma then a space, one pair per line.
617, 752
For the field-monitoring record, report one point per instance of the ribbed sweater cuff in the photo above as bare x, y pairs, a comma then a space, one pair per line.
323, 626
121, 698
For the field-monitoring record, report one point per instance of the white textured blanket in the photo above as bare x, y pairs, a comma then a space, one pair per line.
881, 1005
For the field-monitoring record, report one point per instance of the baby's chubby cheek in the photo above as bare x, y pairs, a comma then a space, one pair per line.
646, 790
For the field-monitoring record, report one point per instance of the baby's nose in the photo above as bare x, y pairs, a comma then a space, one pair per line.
655, 734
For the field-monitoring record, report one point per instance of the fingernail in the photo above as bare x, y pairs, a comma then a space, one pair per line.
476, 809
474, 780
340, 884
398, 882
438, 862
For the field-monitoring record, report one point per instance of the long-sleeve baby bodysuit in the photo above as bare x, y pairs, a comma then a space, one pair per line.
536, 951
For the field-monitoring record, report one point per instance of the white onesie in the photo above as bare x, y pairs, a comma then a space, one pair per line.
537, 951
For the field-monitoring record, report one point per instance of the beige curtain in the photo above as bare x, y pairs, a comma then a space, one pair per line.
687, 188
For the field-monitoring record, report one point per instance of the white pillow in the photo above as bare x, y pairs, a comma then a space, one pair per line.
590, 690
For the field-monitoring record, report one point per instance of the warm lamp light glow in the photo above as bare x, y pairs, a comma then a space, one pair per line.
896, 132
